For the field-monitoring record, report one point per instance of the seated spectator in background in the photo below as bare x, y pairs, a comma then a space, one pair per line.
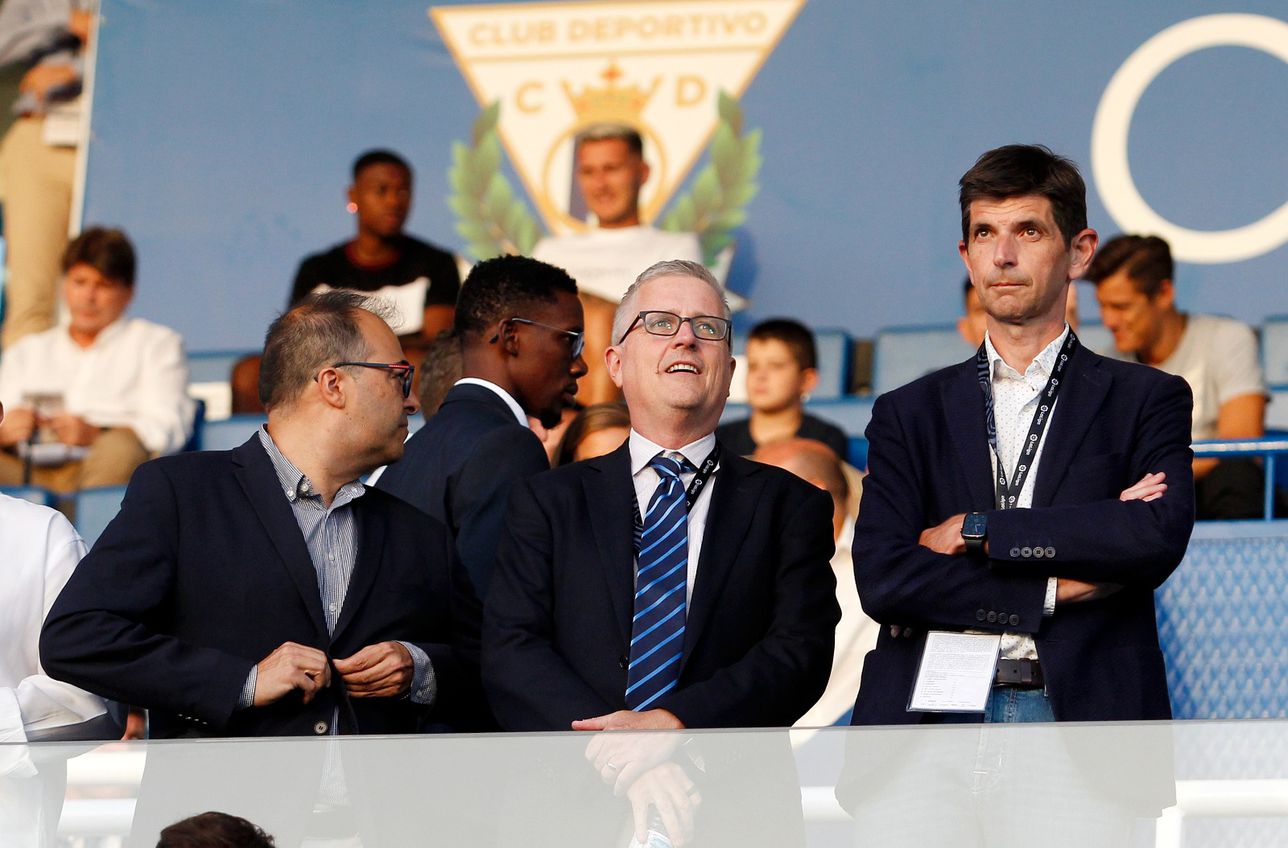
782, 369
597, 430
610, 172
519, 323
264, 591
214, 830
40, 552
38, 153
440, 369
90, 400
856, 634
419, 279
972, 323
1217, 356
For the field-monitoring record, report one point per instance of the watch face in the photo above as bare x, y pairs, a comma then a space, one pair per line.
974, 526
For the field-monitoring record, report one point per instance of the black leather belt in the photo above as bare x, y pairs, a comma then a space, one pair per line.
1019, 674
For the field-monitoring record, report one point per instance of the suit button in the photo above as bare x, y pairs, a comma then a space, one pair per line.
1015, 619
979, 615
320, 728
1050, 552
992, 617
1026, 552
1015, 553
624, 661
1039, 552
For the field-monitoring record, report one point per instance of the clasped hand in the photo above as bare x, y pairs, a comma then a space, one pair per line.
383, 670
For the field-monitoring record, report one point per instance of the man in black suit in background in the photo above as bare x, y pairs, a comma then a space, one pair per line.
730, 622
264, 591
519, 323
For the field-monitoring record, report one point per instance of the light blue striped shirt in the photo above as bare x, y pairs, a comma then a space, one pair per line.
331, 534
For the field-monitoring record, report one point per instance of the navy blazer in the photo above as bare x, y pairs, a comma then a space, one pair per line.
928, 459
460, 468
761, 622
204, 572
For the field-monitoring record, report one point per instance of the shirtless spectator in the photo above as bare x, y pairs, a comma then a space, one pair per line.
91, 399
1217, 356
418, 278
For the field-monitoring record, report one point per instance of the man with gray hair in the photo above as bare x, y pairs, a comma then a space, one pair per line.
264, 591
668, 584
610, 172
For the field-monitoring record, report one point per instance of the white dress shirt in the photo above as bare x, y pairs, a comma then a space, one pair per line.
1015, 399
40, 552
646, 480
135, 375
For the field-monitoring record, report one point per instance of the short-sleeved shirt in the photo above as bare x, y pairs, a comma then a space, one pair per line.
419, 265
1218, 357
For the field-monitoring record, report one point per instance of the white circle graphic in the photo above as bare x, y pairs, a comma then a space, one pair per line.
1112, 123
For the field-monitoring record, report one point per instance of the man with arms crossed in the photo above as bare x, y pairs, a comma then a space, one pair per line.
1037, 491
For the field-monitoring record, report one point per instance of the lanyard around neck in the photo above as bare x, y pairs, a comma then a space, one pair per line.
1008, 492
691, 494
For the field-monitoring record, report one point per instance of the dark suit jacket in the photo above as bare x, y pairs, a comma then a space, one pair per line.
928, 459
204, 572
557, 621
460, 468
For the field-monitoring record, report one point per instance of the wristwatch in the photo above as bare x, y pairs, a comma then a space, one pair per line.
974, 532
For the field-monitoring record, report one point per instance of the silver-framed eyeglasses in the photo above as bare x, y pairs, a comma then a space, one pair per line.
657, 322
578, 339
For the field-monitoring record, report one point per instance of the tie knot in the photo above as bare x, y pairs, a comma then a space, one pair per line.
670, 464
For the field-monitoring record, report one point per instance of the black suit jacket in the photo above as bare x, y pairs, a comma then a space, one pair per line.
460, 467
204, 572
557, 621
928, 459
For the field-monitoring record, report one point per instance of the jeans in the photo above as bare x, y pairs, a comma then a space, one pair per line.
1009, 704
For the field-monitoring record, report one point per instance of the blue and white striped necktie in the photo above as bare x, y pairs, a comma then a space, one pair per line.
657, 631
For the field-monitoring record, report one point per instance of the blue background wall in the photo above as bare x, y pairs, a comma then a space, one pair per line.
223, 132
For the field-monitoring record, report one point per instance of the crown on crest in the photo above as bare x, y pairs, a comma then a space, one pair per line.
612, 103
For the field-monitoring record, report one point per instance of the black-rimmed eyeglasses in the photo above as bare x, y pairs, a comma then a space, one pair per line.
402, 370
658, 323
578, 340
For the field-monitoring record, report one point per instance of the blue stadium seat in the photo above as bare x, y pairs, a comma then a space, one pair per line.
1274, 351
1277, 411
1223, 623
198, 424
902, 354
35, 494
214, 366
95, 509
231, 432
851, 414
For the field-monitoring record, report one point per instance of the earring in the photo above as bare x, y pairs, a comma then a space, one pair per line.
351, 207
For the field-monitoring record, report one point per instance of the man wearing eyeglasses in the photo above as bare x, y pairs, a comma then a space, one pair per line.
265, 590
668, 584
519, 324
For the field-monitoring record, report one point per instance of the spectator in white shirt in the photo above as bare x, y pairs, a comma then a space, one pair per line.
93, 398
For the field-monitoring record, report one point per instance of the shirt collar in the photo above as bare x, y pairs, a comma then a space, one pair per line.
501, 393
642, 451
1044, 362
294, 483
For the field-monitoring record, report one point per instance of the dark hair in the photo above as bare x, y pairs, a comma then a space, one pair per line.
1020, 169
611, 132
1147, 260
794, 334
505, 287
214, 830
106, 250
592, 419
321, 329
439, 371
379, 157
967, 286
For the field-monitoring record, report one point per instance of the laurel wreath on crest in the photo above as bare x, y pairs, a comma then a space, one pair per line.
494, 221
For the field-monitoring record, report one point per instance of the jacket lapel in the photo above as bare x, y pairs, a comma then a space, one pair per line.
1080, 399
372, 527
609, 498
963, 408
259, 481
736, 489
